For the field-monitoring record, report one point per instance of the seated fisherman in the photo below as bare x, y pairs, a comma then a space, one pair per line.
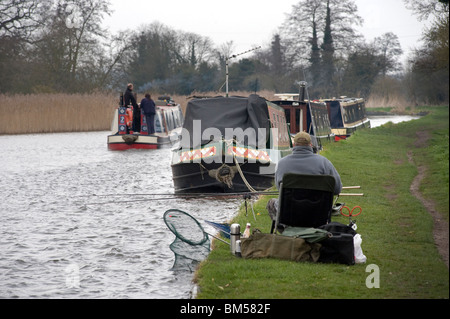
302, 161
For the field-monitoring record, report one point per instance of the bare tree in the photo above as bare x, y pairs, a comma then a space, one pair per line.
67, 49
424, 9
299, 32
304, 27
18, 17
388, 49
429, 65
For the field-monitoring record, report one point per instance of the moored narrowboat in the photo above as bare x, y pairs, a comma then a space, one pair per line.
229, 144
346, 116
307, 116
167, 123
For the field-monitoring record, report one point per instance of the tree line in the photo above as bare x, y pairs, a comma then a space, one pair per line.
62, 46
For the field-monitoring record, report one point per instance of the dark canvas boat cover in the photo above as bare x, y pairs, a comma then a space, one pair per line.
335, 114
249, 114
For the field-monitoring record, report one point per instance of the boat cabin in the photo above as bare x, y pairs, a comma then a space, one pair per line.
346, 115
305, 116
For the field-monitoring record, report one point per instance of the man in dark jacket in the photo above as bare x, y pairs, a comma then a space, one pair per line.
149, 108
130, 99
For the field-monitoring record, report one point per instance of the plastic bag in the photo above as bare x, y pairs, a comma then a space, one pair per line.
360, 258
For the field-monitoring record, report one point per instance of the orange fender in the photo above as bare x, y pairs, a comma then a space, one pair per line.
129, 117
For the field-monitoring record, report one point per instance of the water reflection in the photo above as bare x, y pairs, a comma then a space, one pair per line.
378, 120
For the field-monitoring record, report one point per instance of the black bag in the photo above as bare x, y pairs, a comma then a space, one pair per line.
339, 248
335, 227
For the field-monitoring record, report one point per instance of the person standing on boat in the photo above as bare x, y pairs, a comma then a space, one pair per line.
303, 160
130, 99
149, 108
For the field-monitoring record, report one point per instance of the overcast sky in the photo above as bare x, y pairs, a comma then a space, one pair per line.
251, 23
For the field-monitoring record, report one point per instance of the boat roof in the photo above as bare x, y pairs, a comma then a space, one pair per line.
221, 113
287, 96
344, 99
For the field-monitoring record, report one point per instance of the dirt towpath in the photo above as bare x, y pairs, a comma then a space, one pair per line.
440, 230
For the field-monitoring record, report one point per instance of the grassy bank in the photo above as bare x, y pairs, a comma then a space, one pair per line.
395, 227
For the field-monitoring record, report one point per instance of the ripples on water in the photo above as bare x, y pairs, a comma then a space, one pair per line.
57, 242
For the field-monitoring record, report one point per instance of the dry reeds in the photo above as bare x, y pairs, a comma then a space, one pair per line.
397, 103
388, 92
52, 113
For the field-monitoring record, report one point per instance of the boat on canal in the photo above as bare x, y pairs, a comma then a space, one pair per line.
168, 123
346, 116
305, 116
229, 144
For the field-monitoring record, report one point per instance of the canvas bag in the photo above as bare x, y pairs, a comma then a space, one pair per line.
260, 245
310, 234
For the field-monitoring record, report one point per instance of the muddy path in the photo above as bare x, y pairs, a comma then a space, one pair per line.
440, 229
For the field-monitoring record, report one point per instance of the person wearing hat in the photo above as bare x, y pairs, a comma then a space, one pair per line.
304, 161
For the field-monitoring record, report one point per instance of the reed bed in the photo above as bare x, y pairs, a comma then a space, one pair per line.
60, 112
51, 113
397, 103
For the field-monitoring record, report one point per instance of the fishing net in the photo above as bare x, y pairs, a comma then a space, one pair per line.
191, 244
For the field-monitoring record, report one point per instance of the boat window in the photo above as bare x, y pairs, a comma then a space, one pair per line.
168, 120
176, 116
172, 121
172, 116
158, 126
298, 120
167, 116
288, 115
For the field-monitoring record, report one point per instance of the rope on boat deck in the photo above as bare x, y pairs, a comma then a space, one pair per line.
227, 178
250, 188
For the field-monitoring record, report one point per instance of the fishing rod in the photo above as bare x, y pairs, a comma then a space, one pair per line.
177, 195
245, 195
187, 194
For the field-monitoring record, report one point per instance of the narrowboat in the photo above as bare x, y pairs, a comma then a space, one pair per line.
304, 115
168, 123
346, 116
229, 144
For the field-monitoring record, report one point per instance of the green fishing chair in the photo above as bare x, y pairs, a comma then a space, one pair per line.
304, 201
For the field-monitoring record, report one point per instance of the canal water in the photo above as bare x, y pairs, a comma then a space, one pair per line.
77, 220
72, 225
378, 120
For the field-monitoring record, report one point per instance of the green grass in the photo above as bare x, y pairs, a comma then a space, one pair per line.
396, 229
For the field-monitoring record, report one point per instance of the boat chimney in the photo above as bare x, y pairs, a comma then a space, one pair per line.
301, 96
